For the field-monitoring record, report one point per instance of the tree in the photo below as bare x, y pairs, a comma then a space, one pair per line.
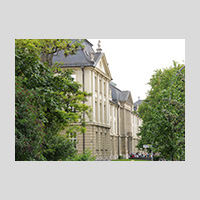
29, 129
52, 94
163, 113
46, 48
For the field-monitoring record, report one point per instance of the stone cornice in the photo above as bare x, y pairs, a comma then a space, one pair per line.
102, 74
98, 124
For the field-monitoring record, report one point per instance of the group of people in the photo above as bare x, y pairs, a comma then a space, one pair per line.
140, 155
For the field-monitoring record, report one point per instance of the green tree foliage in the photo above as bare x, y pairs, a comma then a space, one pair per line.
87, 156
163, 113
47, 101
28, 144
46, 48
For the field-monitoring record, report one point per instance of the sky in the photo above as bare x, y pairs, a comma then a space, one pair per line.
132, 62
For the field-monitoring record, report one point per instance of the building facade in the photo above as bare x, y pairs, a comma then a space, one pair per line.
112, 130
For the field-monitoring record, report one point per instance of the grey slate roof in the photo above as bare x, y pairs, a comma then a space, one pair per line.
136, 104
82, 58
114, 102
118, 95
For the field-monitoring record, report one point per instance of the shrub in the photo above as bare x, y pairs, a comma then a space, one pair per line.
87, 156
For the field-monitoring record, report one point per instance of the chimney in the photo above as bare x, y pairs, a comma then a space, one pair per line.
138, 98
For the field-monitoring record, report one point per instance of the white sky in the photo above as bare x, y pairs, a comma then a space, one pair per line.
132, 61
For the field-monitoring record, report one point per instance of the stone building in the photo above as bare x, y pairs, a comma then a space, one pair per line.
112, 129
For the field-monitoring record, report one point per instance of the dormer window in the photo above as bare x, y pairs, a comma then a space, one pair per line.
86, 53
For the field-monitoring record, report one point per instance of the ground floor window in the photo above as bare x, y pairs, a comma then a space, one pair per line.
97, 140
101, 139
73, 138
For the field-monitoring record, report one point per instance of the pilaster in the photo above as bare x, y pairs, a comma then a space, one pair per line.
98, 99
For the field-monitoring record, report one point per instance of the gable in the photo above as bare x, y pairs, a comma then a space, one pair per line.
125, 96
102, 65
130, 100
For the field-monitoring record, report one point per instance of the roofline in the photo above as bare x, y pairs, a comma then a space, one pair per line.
105, 60
100, 56
139, 100
89, 42
111, 101
115, 87
76, 65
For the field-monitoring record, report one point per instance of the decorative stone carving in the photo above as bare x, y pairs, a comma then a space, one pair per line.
99, 47
92, 56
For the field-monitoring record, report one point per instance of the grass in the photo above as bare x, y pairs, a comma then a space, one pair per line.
129, 160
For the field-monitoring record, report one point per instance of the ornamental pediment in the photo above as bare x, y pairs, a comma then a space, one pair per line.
102, 66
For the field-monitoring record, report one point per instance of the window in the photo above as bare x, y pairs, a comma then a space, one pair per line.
96, 111
105, 141
96, 85
97, 140
100, 113
105, 89
101, 139
73, 138
105, 114
100, 86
